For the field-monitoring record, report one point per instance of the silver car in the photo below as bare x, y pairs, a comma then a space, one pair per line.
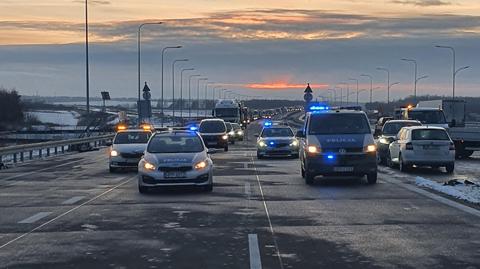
175, 158
276, 141
127, 148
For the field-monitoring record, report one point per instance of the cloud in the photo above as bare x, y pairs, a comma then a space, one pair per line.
422, 3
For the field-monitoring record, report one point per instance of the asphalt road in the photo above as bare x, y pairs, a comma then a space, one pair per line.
69, 212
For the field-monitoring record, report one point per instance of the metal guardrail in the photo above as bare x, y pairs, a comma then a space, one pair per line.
17, 153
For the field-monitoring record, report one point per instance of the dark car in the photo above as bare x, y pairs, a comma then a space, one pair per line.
214, 133
379, 125
387, 135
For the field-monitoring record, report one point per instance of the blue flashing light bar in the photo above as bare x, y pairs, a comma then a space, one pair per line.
267, 123
193, 128
319, 108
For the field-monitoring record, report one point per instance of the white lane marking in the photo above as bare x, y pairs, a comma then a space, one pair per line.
67, 212
435, 197
248, 189
268, 214
245, 165
72, 200
35, 217
255, 261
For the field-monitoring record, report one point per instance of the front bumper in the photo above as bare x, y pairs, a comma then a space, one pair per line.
272, 152
120, 162
192, 178
342, 165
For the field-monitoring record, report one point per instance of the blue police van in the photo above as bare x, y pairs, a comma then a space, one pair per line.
337, 142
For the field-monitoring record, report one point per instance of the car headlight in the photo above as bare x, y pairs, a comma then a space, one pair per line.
371, 148
200, 165
231, 133
383, 140
225, 137
294, 143
114, 153
262, 144
149, 166
313, 149
240, 132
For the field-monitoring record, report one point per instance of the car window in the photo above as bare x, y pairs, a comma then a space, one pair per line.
430, 117
277, 132
429, 134
175, 144
236, 126
211, 126
392, 128
132, 138
229, 126
342, 123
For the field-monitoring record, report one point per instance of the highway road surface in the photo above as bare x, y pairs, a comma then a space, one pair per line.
70, 212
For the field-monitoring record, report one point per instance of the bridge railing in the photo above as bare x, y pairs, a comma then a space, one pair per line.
20, 153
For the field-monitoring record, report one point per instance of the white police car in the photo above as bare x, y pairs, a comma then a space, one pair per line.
337, 143
276, 140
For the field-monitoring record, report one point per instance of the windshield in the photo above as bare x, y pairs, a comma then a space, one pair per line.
428, 117
430, 134
236, 126
339, 124
277, 132
392, 128
175, 144
212, 126
226, 112
131, 138
229, 126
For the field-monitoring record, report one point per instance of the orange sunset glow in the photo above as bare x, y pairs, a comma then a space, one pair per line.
282, 86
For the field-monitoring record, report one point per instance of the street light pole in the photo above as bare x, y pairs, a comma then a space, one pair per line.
388, 82
371, 85
415, 78
454, 71
198, 95
173, 86
356, 80
139, 51
213, 96
181, 90
190, 95
87, 71
206, 96
163, 53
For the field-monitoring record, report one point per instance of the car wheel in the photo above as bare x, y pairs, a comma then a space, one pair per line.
309, 178
208, 188
389, 160
259, 156
402, 166
372, 178
143, 189
225, 148
450, 168
112, 169
302, 171
233, 142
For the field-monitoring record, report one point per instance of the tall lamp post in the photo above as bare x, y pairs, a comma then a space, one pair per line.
173, 86
139, 40
334, 95
371, 85
213, 96
87, 72
198, 94
356, 80
163, 54
454, 70
190, 94
388, 81
415, 77
206, 96
181, 90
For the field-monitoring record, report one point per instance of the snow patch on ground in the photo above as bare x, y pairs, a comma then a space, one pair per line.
470, 193
63, 118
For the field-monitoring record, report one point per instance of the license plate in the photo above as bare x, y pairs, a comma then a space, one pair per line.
174, 174
431, 147
343, 169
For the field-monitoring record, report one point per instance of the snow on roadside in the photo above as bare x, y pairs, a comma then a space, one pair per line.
470, 193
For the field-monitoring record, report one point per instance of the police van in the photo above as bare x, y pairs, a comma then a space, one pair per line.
337, 142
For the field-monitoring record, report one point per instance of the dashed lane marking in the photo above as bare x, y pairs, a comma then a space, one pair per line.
255, 261
35, 218
72, 200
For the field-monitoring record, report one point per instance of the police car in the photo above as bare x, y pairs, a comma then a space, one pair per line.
337, 143
276, 140
128, 147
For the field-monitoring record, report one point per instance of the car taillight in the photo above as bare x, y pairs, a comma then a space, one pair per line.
409, 146
452, 146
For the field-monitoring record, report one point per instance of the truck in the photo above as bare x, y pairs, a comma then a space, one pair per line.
229, 110
449, 114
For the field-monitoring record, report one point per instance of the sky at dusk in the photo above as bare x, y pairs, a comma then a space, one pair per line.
261, 48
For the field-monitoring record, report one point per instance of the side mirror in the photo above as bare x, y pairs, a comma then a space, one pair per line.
108, 144
300, 134
377, 133
211, 151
